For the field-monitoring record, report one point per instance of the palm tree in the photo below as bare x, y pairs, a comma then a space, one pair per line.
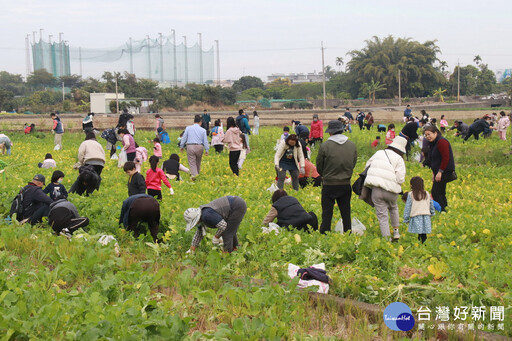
339, 62
443, 65
372, 88
439, 92
477, 59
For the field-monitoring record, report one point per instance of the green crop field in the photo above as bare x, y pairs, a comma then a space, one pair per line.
55, 289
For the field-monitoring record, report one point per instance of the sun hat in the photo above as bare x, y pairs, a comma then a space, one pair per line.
334, 126
399, 144
192, 216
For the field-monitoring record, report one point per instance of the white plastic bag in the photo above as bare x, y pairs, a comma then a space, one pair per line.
358, 227
106, 239
122, 159
339, 226
114, 157
272, 188
57, 147
416, 156
323, 288
272, 227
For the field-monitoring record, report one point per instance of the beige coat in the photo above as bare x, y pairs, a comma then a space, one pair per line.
90, 150
298, 155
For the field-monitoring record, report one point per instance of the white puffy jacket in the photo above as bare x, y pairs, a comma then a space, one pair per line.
385, 173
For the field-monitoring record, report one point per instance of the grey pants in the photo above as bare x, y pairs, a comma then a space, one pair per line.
385, 201
236, 214
194, 156
281, 175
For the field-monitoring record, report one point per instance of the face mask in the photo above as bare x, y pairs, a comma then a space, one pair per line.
60, 181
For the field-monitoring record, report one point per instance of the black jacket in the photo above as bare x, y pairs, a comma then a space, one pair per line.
435, 156
479, 126
410, 130
61, 213
290, 212
33, 198
136, 185
171, 166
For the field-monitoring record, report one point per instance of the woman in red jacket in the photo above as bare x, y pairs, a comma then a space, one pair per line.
154, 178
316, 133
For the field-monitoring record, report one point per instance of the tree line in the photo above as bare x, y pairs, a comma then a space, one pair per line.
370, 73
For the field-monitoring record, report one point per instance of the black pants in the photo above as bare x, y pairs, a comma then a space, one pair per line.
97, 168
340, 194
236, 214
368, 126
422, 237
470, 133
439, 193
155, 193
303, 182
39, 213
315, 140
234, 155
219, 148
381, 130
144, 210
112, 150
313, 222
361, 125
130, 156
71, 224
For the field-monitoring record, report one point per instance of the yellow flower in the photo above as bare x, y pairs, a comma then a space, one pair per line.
297, 238
486, 231
453, 243
60, 282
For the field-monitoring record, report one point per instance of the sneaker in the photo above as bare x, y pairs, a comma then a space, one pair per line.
396, 235
66, 233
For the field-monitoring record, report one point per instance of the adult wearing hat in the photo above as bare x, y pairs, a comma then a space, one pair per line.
36, 204
335, 162
385, 176
224, 214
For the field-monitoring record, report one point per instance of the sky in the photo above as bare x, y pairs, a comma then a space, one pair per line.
263, 37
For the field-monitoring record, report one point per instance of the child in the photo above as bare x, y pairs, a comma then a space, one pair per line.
157, 149
56, 189
390, 135
419, 207
154, 177
217, 137
503, 124
48, 162
29, 128
443, 123
141, 156
381, 128
172, 167
163, 136
180, 137
376, 142
136, 182
243, 152
286, 132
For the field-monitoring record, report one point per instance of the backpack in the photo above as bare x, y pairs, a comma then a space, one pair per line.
17, 205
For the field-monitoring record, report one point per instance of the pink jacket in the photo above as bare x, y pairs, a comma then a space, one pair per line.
390, 136
233, 139
503, 123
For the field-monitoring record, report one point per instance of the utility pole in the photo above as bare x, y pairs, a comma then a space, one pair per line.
218, 62
399, 90
62, 91
61, 53
200, 59
117, 97
161, 59
174, 57
27, 55
131, 56
149, 59
323, 76
458, 81
186, 61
